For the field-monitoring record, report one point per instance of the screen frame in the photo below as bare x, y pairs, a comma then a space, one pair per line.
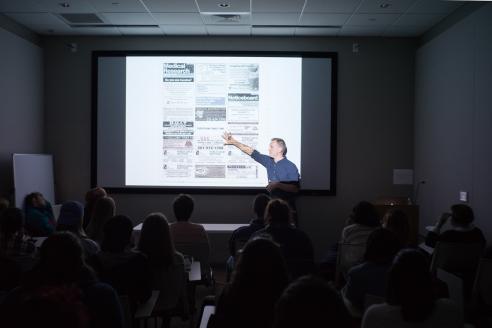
213, 190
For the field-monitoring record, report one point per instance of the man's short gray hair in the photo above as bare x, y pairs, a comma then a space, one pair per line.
282, 144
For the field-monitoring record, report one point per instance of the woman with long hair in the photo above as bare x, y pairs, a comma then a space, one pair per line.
258, 281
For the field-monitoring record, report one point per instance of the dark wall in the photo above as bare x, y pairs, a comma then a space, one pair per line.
21, 102
453, 118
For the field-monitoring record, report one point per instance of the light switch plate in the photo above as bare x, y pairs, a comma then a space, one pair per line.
463, 196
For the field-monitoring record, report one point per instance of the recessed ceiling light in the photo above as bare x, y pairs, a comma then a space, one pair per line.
384, 5
64, 4
224, 5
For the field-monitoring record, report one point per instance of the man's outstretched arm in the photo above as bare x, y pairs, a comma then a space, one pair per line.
229, 140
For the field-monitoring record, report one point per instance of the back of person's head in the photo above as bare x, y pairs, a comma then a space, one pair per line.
397, 221
366, 214
54, 307
310, 302
104, 208
117, 234
277, 211
183, 207
71, 217
11, 222
382, 246
462, 215
259, 205
94, 194
32, 199
61, 259
155, 240
260, 268
410, 286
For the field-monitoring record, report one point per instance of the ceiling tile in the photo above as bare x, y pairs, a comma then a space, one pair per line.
361, 30
374, 6
317, 31
332, 6
141, 31
217, 20
51, 29
20, 6
184, 29
75, 6
129, 18
273, 31
212, 6
118, 6
372, 19
419, 19
404, 31
324, 19
30, 19
177, 6
434, 7
278, 6
275, 19
228, 30
177, 18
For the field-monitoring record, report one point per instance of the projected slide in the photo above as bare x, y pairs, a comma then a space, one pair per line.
177, 109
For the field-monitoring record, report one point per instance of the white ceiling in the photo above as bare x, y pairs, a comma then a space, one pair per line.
255, 17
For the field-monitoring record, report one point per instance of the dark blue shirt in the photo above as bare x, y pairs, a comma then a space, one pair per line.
282, 171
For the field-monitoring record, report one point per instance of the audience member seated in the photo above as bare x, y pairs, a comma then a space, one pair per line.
363, 220
184, 231
462, 228
241, 235
258, 281
16, 252
397, 221
166, 265
104, 209
40, 221
411, 299
53, 307
310, 302
61, 266
370, 277
125, 269
13, 242
70, 219
91, 198
295, 244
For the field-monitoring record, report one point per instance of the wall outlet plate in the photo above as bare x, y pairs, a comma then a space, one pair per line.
463, 196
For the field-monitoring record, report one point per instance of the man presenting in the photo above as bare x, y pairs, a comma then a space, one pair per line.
283, 176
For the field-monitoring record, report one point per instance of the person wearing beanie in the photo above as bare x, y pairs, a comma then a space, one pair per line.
70, 219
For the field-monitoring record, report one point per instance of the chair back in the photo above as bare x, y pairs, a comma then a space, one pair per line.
482, 288
458, 258
455, 288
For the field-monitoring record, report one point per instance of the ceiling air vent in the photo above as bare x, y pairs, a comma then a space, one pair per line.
237, 18
82, 18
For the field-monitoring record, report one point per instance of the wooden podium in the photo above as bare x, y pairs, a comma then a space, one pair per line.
383, 205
